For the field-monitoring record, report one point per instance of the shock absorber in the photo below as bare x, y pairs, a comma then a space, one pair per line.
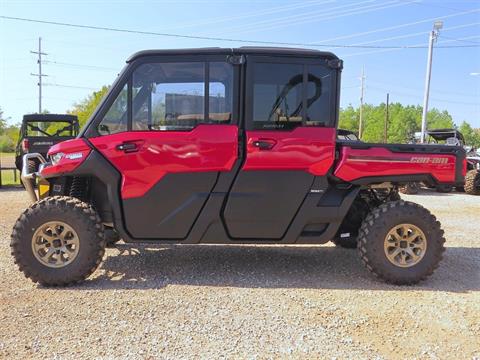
78, 187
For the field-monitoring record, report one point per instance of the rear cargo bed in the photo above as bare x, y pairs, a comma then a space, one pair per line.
364, 163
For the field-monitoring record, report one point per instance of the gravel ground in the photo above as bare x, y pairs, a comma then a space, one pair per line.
248, 302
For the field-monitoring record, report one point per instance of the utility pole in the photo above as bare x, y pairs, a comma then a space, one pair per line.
385, 127
432, 38
40, 75
362, 94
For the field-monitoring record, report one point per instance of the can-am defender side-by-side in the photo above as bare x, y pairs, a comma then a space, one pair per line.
229, 146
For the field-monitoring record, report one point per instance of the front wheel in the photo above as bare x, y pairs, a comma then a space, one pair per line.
401, 242
472, 182
58, 241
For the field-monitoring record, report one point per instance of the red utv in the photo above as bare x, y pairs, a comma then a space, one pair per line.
229, 146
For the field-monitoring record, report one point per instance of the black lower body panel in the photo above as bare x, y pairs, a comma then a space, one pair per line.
170, 208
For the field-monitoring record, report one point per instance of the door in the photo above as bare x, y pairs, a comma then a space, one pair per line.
290, 139
170, 132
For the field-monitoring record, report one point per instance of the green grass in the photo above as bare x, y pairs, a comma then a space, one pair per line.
8, 160
8, 178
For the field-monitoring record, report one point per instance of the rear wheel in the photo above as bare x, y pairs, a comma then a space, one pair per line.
58, 241
472, 182
401, 242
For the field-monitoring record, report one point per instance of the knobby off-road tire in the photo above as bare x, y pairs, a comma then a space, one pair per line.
472, 182
32, 166
377, 228
30, 242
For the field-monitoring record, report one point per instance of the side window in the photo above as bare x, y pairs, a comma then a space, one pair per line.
171, 96
168, 96
277, 96
319, 96
115, 120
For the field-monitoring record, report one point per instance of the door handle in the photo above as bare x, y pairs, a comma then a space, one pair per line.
264, 144
127, 147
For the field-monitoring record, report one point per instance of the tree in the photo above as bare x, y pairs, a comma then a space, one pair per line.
472, 136
3, 122
85, 108
403, 122
349, 119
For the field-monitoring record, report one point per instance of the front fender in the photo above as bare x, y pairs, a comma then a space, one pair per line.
74, 152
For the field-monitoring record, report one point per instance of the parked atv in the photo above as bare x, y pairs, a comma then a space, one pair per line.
229, 146
472, 179
39, 132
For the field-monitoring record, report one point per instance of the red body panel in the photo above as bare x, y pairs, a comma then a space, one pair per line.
311, 149
75, 150
379, 161
205, 148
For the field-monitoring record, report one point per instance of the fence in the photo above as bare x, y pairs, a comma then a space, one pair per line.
9, 175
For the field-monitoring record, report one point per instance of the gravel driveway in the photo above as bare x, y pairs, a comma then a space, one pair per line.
248, 302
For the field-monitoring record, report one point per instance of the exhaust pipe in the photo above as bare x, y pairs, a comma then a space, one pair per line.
28, 178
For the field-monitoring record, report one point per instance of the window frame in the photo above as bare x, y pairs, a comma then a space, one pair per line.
252, 60
126, 77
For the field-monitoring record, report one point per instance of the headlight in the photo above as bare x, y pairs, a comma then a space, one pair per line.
56, 158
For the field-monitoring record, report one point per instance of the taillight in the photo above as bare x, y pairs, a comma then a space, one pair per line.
25, 145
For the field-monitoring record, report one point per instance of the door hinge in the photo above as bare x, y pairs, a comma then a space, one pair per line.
236, 59
335, 64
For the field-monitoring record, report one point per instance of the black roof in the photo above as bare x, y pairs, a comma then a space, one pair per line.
444, 134
50, 117
246, 50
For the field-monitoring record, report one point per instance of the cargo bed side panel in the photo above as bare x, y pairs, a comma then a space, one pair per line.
398, 162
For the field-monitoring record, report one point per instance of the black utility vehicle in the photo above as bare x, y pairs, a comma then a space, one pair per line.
40, 131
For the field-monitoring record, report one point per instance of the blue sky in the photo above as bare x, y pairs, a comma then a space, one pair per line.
86, 59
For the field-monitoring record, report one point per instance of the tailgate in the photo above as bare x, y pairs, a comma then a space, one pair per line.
41, 144
363, 163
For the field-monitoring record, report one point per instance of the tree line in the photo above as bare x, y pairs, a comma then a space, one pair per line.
403, 121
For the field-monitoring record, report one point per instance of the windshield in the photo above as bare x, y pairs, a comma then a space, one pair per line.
49, 128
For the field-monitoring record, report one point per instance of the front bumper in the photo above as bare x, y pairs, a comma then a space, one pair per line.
29, 177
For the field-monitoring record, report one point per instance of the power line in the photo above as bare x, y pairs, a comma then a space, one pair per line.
349, 12
395, 27
417, 33
420, 90
286, 20
461, 40
385, 49
254, 14
380, 89
92, 27
92, 67
69, 86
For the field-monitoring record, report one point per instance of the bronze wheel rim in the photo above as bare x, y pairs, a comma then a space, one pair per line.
405, 245
55, 244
